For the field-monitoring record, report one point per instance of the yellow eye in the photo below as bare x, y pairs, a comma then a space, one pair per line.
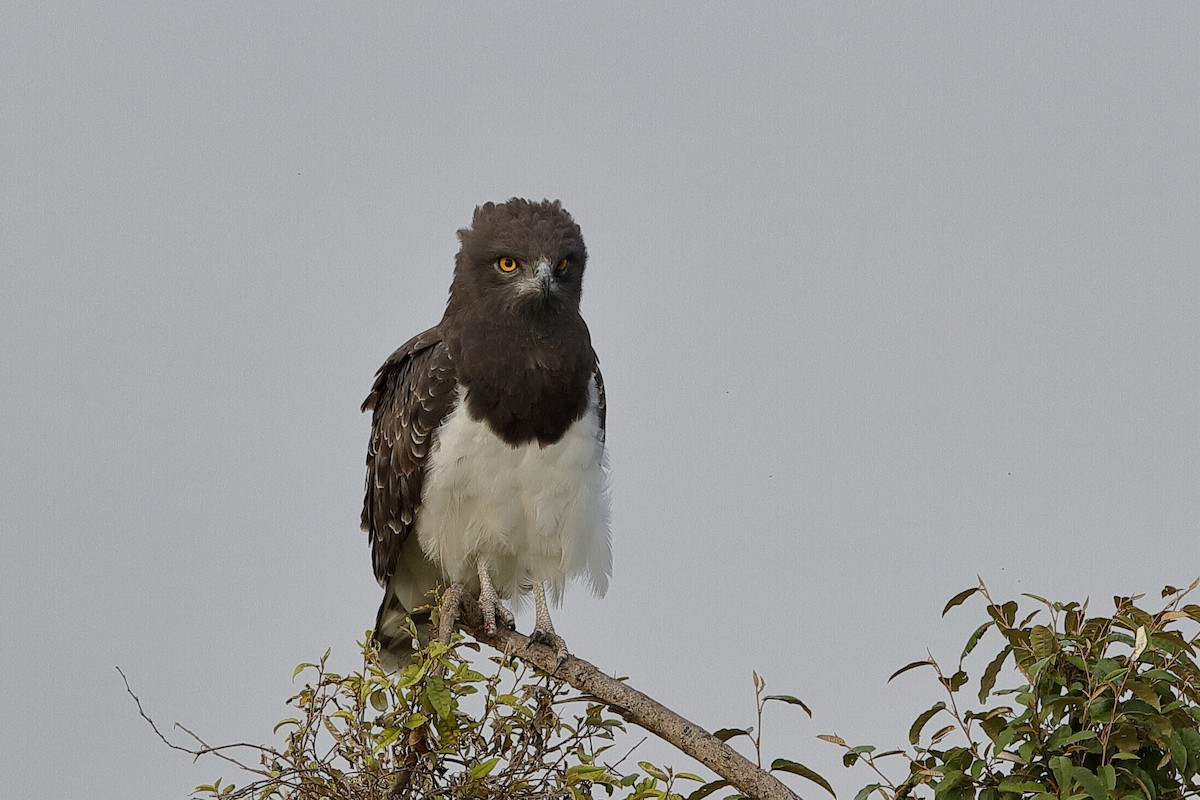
507, 264
562, 265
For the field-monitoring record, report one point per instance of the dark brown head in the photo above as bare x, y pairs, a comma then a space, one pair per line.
512, 326
520, 257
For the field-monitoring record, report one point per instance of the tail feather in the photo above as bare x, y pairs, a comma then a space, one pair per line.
394, 628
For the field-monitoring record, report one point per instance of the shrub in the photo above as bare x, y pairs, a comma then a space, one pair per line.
1107, 708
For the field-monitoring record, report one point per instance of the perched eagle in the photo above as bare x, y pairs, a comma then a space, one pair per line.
486, 463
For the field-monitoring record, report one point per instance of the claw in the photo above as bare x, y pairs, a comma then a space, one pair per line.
494, 613
553, 641
505, 617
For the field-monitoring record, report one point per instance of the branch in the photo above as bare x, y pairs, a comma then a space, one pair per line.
633, 706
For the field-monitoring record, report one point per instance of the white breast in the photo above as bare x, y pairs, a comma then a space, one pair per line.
528, 513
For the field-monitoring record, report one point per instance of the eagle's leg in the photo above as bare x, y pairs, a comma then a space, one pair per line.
543, 628
489, 604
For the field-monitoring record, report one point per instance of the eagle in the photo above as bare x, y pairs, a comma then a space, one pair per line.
486, 465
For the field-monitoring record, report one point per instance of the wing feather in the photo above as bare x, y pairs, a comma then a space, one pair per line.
601, 401
413, 392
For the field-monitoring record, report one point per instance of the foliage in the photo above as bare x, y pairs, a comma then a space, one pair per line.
1103, 708
1108, 709
440, 729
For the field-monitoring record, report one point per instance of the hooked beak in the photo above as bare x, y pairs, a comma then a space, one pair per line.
544, 275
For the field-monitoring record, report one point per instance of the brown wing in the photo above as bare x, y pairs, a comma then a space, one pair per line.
413, 392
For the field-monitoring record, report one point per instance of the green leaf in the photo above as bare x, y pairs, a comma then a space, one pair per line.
588, 772
941, 734
1043, 641
990, 672
385, 738
1178, 751
1146, 694
958, 599
652, 770
914, 733
1061, 767
1075, 738
1022, 786
865, 792
1090, 783
288, 721
415, 721
379, 700
784, 765
483, 769
974, 639
907, 667
707, 789
438, 696
787, 698
955, 681
725, 734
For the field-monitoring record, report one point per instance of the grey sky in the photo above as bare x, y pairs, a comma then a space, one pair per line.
886, 296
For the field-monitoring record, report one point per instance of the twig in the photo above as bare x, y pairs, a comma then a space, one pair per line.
634, 706
205, 747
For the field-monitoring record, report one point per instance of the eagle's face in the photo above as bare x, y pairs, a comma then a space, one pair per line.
520, 257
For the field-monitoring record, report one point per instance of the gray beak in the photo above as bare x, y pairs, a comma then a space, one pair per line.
544, 275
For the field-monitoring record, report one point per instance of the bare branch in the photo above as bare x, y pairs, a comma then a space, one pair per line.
634, 706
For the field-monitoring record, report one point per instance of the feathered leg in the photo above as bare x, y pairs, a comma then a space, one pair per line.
543, 628
489, 604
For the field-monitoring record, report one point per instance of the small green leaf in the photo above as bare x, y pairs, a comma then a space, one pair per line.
415, 721
907, 667
707, 789
864, 792
958, 599
1075, 738
1022, 786
914, 733
282, 722
941, 734
725, 734
974, 639
438, 696
652, 770
1043, 641
1090, 783
990, 672
386, 737
589, 772
379, 700
1178, 750
482, 769
784, 765
787, 698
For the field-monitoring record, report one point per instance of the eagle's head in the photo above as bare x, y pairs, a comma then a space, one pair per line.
520, 257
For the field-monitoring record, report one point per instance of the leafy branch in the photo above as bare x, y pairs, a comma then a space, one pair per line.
1109, 708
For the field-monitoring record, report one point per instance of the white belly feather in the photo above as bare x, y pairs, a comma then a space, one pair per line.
527, 513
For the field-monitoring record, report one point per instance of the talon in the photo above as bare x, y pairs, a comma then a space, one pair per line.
554, 642
506, 618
